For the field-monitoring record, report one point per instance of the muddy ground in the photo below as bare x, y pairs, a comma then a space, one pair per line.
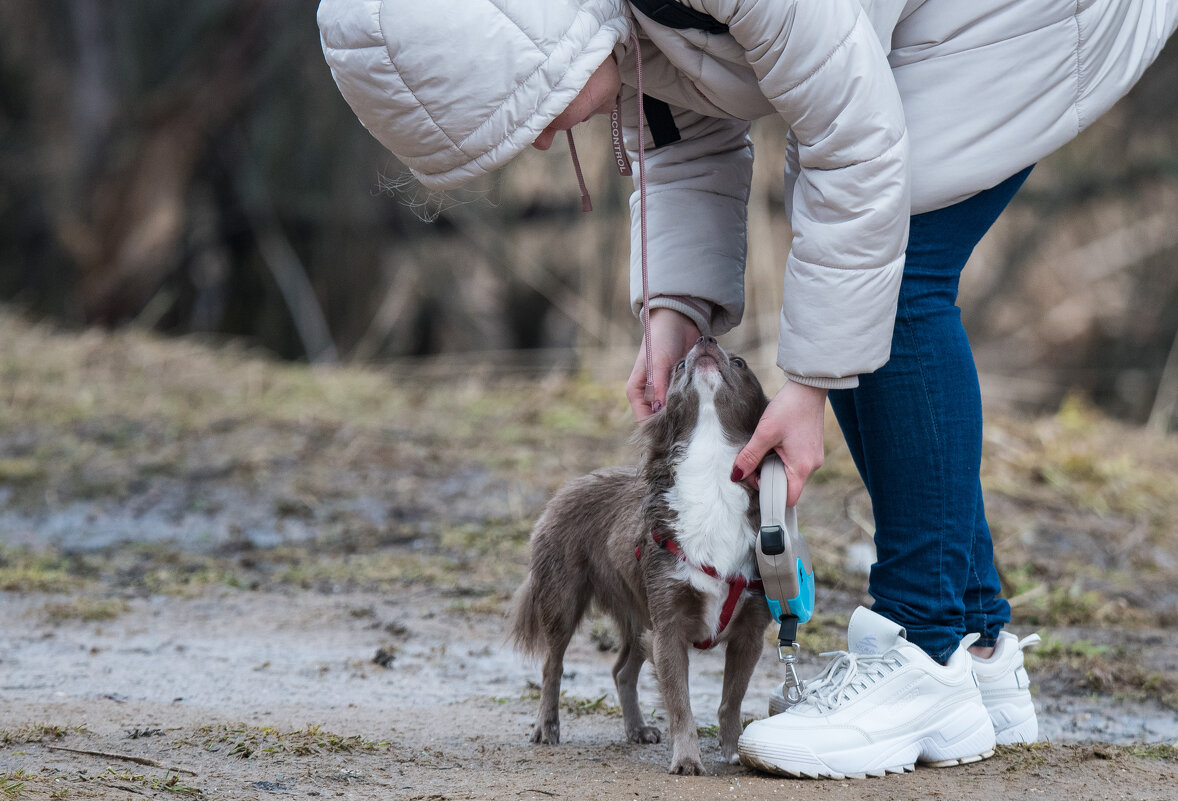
230, 578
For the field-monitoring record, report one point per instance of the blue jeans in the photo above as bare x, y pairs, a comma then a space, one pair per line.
914, 429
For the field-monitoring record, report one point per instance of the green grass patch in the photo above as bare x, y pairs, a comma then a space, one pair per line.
1101, 668
497, 537
246, 742
1023, 756
494, 603
37, 733
1053, 649
478, 560
1161, 752
12, 786
16, 470
168, 783
86, 610
588, 706
825, 631
26, 570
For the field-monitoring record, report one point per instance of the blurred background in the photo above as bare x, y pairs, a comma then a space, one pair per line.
190, 168
184, 196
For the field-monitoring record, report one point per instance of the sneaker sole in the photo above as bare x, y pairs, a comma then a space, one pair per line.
931, 750
770, 760
948, 763
773, 760
1024, 731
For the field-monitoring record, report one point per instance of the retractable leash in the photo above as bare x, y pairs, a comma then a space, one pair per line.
783, 559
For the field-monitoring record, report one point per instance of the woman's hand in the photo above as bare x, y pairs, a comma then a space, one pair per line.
792, 426
671, 336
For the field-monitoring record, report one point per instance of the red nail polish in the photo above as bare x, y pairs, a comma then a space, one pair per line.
737, 474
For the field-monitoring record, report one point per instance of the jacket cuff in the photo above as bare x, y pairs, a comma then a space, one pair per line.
695, 309
850, 382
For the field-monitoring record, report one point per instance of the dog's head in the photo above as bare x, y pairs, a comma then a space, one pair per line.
707, 382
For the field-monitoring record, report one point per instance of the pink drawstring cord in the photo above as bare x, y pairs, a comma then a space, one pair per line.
586, 203
624, 168
648, 392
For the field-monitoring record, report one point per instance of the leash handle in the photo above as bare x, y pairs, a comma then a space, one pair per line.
783, 557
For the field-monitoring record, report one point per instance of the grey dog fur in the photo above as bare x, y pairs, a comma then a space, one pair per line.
583, 549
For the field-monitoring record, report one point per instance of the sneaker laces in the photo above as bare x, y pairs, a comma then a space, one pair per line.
845, 676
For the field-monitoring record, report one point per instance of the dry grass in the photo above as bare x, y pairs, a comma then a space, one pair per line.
401, 476
245, 742
37, 733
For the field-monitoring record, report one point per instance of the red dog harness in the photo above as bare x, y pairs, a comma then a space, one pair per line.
736, 584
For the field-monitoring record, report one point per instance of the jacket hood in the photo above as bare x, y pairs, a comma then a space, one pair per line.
457, 88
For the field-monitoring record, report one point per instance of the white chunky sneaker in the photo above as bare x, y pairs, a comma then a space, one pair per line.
1003, 681
1006, 689
878, 708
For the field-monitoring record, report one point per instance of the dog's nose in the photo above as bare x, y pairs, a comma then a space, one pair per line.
706, 340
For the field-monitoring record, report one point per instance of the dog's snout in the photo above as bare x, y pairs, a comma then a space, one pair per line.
706, 347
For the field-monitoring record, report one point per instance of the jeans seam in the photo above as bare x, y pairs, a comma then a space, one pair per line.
943, 656
973, 567
937, 442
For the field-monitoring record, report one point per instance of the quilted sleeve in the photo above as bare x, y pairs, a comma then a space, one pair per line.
697, 210
821, 65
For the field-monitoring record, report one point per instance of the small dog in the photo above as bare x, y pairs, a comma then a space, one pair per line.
666, 548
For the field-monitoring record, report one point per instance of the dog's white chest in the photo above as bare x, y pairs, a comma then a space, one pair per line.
711, 523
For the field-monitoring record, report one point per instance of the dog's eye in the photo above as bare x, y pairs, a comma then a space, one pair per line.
680, 365
739, 362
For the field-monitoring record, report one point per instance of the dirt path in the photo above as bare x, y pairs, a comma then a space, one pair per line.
238, 694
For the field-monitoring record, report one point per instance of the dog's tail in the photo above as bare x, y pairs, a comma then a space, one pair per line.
527, 630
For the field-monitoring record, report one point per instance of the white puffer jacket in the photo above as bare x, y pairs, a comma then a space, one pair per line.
894, 108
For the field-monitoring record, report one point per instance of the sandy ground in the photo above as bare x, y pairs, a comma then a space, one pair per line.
239, 694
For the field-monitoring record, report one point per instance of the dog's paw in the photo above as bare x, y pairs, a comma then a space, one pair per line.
645, 734
687, 766
546, 733
729, 752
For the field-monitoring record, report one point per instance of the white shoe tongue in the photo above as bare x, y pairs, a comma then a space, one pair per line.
871, 634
